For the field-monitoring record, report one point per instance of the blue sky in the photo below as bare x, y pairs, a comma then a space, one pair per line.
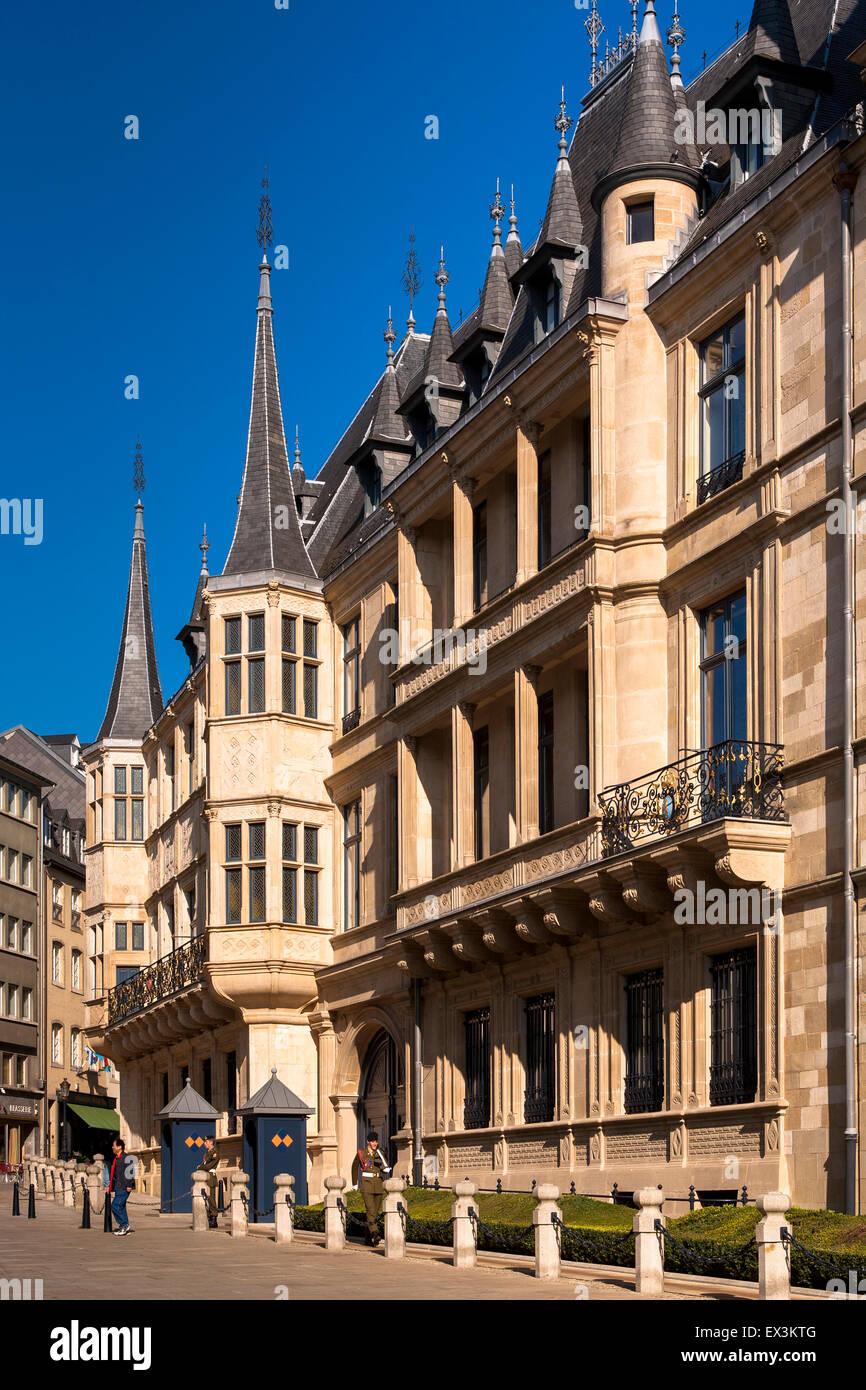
139, 257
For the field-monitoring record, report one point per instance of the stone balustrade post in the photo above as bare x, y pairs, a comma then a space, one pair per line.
80, 1180
239, 1190
284, 1208
649, 1265
774, 1254
547, 1253
395, 1232
68, 1175
465, 1250
199, 1200
335, 1231
94, 1185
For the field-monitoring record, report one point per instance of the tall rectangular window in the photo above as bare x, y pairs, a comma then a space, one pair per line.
644, 1065
289, 692
233, 687
476, 1033
546, 820
544, 511
311, 638
724, 671
734, 1027
540, 1059
723, 407
481, 750
290, 872
119, 820
120, 936
256, 632
231, 1066
233, 896
479, 554
641, 222
311, 691
288, 634
207, 1080
351, 865
233, 636
137, 936
138, 820
256, 684
169, 775
351, 672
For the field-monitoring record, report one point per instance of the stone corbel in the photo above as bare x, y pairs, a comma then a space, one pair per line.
438, 955
529, 924
645, 889
565, 912
498, 934
606, 901
748, 852
468, 945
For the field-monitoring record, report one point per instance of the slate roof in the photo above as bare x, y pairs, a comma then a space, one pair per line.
135, 700
771, 32
37, 755
188, 1105
646, 135
274, 1099
261, 541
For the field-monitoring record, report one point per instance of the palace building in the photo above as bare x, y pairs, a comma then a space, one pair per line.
514, 801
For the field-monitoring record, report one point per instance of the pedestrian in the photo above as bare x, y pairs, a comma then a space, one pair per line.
368, 1171
210, 1163
120, 1182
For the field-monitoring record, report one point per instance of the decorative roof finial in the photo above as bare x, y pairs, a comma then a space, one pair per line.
512, 221
563, 123
635, 6
204, 547
390, 338
412, 279
676, 35
138, 469
265, 230
442, 278
594, 28
497, 212
297, 447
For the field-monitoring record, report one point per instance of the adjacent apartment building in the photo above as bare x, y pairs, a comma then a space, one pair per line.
513, 803
75, 1111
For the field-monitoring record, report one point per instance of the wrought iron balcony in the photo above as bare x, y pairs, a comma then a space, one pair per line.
165, 977
476, 1113
738, 780
727, 473
351, 720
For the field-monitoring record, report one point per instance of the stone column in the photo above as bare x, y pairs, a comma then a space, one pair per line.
547, 1256
395, 1235
527, 499
649, 1266
774, 1258
464, 594
465, 1252
408, 799
80, 1183
526, 751
284, 1208
335, 1231
239, 1189
462, 788
199, 1200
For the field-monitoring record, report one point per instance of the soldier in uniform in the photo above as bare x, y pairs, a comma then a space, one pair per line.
210, 1163
369, 1170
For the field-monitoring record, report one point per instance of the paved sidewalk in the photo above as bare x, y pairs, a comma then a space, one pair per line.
165, 1260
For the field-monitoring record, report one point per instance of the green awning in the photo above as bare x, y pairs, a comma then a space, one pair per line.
96, 1116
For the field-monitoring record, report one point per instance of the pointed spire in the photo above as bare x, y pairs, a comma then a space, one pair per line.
441, 346
513, 248
299, 477
676, 36
135, 700
204, 547
562, 222
412, 279
497, 299
387, 423
771, 33
267, 532
442, 278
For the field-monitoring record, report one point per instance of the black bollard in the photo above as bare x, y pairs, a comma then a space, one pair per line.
31, 1204
16, 1208
221, 1207
85, 1212
106, 1216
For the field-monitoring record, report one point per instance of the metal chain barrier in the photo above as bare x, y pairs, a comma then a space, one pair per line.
571, 1239
349, 1218
834, 1265
504, 1242
734, 1257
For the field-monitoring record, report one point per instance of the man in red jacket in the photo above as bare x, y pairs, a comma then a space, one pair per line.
121, 1182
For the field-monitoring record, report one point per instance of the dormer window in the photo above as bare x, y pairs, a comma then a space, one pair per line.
370, 476
754, 132
421, 425
476, 369
547, 305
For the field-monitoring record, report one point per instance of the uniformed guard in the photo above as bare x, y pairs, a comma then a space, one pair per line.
210, 1163
369, 1170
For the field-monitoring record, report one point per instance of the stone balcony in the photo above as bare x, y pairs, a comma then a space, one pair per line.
711, 822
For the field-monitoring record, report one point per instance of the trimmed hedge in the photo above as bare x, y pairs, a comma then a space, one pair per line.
724, 1236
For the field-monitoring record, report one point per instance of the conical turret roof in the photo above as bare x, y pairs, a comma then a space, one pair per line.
135, 700
771, 33
267, 530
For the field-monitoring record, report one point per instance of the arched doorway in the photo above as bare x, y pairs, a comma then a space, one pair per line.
381, 1082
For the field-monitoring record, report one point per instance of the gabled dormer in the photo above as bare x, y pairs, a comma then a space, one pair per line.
547, 273
387, 446
193, 634
434, 397
478, 340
